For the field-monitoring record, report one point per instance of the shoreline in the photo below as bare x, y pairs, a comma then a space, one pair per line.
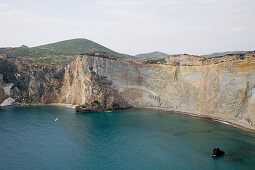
62, 104
164, 109
51, 104
211, 118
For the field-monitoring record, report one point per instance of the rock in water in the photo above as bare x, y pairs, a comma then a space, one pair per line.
95, 106
217, 152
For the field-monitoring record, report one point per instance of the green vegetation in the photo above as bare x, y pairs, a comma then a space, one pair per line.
72, 47
151, 56
52, 60
58, 53
159, 61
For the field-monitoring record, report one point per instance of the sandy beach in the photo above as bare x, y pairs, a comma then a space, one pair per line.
164, 109
62, 104
52, 104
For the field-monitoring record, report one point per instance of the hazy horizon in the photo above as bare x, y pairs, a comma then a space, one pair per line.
132, 26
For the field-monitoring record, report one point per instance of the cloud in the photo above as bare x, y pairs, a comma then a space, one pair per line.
3, 6
133, 26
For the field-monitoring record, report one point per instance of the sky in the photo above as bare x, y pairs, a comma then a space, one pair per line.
132, 26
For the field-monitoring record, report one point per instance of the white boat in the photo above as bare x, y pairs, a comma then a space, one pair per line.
56, 119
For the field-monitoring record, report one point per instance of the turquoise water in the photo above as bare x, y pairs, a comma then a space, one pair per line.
129, 139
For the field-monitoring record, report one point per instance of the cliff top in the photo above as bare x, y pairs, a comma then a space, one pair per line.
63, 52
191, 60
150, 56
220, 54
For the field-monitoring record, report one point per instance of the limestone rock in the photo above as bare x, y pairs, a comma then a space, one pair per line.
102, 96
8, 102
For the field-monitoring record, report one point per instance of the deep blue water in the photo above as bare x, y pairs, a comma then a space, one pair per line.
129, 139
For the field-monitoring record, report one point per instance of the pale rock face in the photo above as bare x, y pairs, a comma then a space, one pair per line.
224, 90
7, 89
82, 86
5, 93
7, 102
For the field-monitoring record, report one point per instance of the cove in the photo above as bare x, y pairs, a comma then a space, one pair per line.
30, 138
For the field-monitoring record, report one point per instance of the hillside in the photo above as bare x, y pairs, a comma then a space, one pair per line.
57, 53
218, 54
151, 56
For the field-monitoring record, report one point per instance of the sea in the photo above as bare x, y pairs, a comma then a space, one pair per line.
53, 137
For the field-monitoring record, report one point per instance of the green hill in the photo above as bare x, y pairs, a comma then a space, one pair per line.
57, 53
223, 53
151, 56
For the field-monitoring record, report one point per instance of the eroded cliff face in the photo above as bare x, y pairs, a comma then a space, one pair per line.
224, 90
81, 85
31, 83
24, 81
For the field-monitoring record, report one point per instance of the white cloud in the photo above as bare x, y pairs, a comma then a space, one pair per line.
3, 6
134, 26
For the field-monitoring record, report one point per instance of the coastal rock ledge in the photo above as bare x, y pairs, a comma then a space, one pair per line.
96, 106
92, 107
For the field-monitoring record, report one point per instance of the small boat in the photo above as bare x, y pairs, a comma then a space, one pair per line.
217, 152
56, 119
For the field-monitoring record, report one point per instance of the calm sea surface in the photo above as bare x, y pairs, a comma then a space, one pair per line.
30, 138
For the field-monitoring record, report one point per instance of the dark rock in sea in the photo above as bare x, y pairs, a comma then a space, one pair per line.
217, 152
95, 106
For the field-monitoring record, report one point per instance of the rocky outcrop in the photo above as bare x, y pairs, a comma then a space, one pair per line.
2, 92
34, 83
5, 99
94, 106
7, 102
25, 81
2, 95
80, 85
